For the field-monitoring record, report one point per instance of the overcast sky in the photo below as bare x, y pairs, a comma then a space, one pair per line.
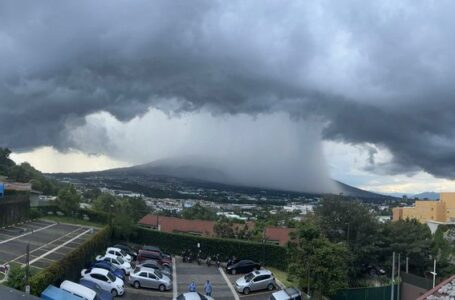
357, 91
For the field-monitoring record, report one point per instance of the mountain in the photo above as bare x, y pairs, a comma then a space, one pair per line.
428, 195
189, 170
421, 196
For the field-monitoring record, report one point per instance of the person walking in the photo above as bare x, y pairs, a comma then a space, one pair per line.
208, 288
192, 287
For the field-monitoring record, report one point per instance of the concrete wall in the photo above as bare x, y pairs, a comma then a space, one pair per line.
410, 292
14, 208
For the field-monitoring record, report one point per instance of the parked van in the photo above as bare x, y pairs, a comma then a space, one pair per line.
54, 293
78, 290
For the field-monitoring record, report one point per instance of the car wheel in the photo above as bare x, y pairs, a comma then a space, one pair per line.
162, 288
137, 284
234, 271
246, 291
114, 293
270, 287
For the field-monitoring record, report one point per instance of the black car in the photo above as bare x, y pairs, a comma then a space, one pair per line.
127, 249
243, 266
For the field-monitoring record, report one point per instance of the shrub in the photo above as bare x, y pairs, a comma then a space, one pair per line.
70, 266
16, 278
175, 243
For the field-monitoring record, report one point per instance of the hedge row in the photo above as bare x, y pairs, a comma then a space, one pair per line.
93, 216
70, 266
175, 243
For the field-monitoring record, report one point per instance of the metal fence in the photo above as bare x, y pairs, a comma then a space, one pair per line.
14, 208
368, 293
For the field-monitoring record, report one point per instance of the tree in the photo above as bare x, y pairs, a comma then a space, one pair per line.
346, 220
124, 227
68, 200
16, 277
318, 262
198, 212
104, 202
411, 239
223, 228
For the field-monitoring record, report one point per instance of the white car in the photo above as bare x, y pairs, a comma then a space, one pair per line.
193, 296
106, 280
78, 290
119, 252
116, 261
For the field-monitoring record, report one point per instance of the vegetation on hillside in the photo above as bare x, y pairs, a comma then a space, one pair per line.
27, 174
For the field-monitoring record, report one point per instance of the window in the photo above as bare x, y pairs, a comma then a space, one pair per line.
143, 274
111, 277
99, 277
111, 252
151, 276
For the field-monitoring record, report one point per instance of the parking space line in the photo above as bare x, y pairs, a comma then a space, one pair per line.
25, 234
233, 291
174, 279
58, 247
45, 245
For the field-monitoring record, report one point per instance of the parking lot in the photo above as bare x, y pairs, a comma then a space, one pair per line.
185, 273
49, 242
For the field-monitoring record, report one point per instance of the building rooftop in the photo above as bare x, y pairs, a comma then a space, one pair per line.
444, 290
12, 294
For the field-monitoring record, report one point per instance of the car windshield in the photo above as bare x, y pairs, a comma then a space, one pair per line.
110, 276
120, 260
137, 269
202, 297
248, 277
158, 274
123, 252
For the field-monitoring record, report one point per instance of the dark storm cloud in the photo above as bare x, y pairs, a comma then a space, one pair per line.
379, 73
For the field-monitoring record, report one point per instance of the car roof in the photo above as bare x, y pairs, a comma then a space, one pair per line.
150, 270
113, 248
152, 247
262, 272
73, 288
191, 296
99, 271
150, 261
108, 255
291, 291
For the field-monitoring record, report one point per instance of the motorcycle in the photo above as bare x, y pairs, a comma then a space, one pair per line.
218, 262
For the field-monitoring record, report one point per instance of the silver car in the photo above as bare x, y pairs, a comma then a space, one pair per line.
149, 278
255, 281
193, 296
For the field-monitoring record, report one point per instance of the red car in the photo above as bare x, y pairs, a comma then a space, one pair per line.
144, 255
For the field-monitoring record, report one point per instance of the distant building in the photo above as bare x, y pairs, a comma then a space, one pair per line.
15, 202
442, 211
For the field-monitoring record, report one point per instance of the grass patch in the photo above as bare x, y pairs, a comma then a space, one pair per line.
71, 220
283, 277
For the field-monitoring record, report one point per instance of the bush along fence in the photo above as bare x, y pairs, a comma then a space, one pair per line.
70, 266
175, 243
83, 214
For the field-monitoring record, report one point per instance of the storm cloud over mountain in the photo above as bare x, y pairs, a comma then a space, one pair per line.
377, 72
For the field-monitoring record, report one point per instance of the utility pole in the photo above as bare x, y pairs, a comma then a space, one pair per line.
399, 278
407, 264
393, 277
308, 278
27, 268
434, 273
